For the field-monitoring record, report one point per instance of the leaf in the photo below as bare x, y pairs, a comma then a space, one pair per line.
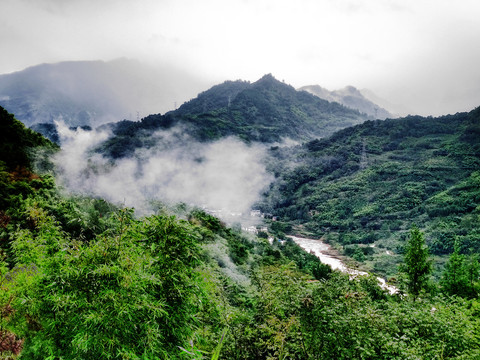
216, 353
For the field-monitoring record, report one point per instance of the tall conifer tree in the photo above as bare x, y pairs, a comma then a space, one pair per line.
418, 265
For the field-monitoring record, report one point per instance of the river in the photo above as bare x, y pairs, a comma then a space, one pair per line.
326, 255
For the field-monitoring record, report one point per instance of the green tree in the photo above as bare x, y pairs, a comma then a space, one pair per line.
472, 267
460, 275
130, 293
418, 265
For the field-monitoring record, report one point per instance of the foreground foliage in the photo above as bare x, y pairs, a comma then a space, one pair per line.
161, 287
128, 293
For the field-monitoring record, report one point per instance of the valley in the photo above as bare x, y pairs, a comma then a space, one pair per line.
241, 180
331, 258
116, 239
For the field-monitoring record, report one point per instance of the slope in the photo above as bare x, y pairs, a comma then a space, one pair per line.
365, 186
267, 111
17, 142
350, 97
93, 92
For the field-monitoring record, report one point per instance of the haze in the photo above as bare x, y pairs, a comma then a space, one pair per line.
422, 54
223, 175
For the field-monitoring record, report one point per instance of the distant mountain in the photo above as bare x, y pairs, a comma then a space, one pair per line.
397, 110
352, 98
267, 111
94, 92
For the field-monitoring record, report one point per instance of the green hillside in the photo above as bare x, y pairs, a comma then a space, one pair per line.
16, 142
365, 186
266, 111
18, 150
83, 279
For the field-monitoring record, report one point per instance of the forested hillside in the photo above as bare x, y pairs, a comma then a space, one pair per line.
266, 111
365, 186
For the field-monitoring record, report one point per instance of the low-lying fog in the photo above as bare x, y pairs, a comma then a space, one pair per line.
224, 175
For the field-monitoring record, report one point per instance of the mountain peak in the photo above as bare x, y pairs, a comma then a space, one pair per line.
267, 79
269, 82
268, 76
349, 90
351, 97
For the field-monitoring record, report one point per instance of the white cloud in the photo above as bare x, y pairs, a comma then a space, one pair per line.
226, 174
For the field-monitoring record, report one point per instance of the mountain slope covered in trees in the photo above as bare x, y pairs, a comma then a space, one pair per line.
266, 111
365, 186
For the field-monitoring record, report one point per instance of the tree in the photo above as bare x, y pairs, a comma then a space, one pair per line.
129, 293
460, 274
418, 265
472, 267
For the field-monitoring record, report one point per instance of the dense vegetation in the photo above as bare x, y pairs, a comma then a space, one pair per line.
365, 186
83, 279
266, 111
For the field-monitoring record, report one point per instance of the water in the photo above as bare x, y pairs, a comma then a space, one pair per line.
324, 253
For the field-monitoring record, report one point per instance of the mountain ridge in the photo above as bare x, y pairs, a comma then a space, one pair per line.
93, 92
266, 111
350, 97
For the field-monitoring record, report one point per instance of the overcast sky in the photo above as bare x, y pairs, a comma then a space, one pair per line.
423, 54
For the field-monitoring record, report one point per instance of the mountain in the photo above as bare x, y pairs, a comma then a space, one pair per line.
352, 98
266, 111
216, 97
364, 187
94, 92
269, 110
397, 110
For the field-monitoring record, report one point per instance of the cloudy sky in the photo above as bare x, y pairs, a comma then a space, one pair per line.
423, 54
